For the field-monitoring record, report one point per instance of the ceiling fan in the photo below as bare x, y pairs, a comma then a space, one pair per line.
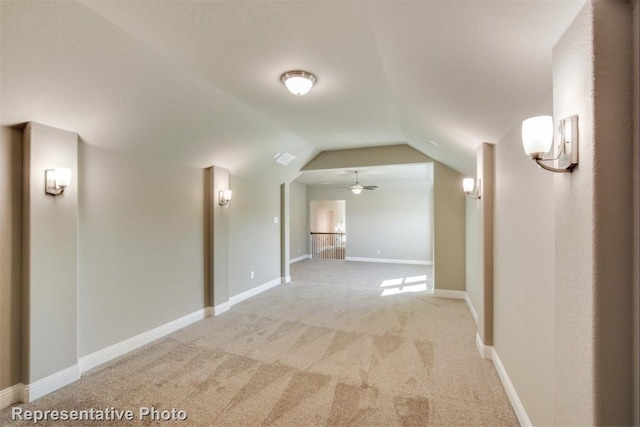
357, 187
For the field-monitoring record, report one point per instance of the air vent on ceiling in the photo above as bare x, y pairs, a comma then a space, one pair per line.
284, 159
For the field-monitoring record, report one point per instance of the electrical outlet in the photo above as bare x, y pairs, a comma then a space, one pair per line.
378, 251
276, 220
253, 275
298, 251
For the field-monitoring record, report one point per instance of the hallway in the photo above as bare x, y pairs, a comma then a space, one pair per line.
325, 349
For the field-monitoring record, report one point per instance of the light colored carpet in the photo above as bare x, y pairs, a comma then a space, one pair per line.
326, 349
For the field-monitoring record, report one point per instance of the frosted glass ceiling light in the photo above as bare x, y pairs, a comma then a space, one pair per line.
298, 82
537, 139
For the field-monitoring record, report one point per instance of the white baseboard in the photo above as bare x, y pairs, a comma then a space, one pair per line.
445, 293
472, 309
389, 260
11, 395
118, 349
486, 351
254, 291
30, 392
300, 258
51, 383
209, 312
226, 306
518, 407
221, 308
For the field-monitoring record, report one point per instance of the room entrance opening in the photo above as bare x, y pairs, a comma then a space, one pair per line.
328, 229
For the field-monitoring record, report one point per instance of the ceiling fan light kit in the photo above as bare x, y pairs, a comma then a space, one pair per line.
357, 187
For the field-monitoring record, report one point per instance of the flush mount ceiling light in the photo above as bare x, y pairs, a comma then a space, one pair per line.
298, 82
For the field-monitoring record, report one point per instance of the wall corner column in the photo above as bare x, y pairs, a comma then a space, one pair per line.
50, 263
485, 170
217, 240
592, 77
448, 229
285, 241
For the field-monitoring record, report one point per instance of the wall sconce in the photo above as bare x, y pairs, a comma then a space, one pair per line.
537, 139
56, 180
223, 197
472, 188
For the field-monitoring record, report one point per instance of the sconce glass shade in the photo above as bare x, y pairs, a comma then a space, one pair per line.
56, 180
468, 184
471, 187
63, 177
224, 196
298, 82
537, 135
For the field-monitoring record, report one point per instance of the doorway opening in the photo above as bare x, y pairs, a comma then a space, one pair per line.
328, 229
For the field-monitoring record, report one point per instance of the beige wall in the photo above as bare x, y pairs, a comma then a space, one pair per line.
367, 156
285, 231
592, 75
524, 272
254, 238
449, 224
217, 239
49, 255
636, 204
473, 283
141, 245
485, 165
325, 215
10, 256
299, 245
575, 370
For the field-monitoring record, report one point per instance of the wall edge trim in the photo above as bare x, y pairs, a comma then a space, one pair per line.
472, 309
298, 259
111, 352
254, 291
516, 403
389, 260
450, 294
221, 308
11, 395
486, 351
50, 383
489, 352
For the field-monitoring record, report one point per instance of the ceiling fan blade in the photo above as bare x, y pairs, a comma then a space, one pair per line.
370, 187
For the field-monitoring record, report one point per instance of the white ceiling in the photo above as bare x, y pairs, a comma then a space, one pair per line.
197, 82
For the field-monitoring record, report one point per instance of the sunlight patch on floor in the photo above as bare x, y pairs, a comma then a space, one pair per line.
392, 282
402, 285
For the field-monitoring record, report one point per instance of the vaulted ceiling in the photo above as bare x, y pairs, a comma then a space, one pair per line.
198, 82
